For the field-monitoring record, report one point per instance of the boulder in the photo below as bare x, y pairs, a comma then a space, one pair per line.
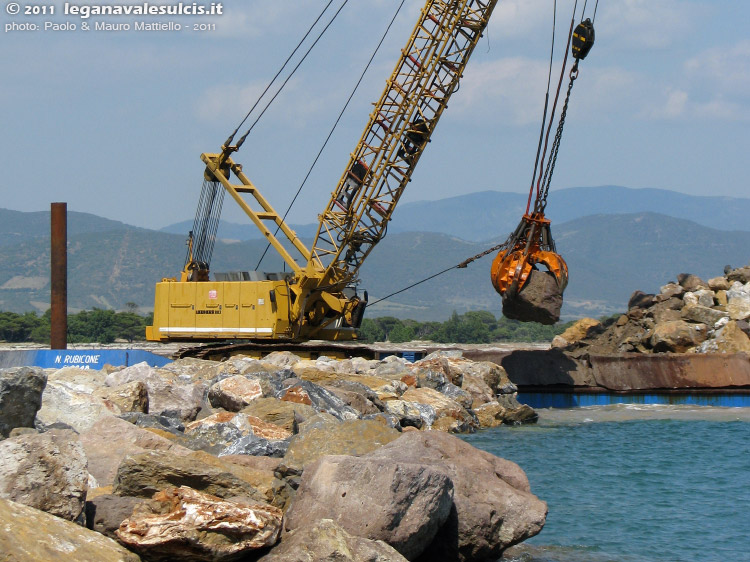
729, 339
354, 437
261, 476
407, 413
738, 301
145, 474
581, 329
718, 284
430, 369
671, 290
355, 400
741, 275
639, 299
305, 392
278, 412
403, 503
325, 541
677, 336
128, 397
703, 297
691, 282
105, 512
21, 391
32, 535
184, 524
234, 393
493, 507
479, 390
46, 471
702, 314
444, 406
75, 407
110, 440
167, 394
539, 300
256, 446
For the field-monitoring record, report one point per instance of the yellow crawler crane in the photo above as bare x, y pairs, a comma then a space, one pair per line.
317, 299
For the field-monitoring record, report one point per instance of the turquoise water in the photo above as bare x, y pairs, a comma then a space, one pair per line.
635, 483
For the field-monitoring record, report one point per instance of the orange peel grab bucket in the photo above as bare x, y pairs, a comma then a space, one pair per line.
529, 245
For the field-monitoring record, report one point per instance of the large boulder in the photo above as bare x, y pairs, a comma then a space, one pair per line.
354, 437
280, 412
30, 535
325, 541
106, 512
110, 440
147, 473
305, 392
580, 330
738, 305
73, 405
168, 394
129, 397
403, 504
234, 393
677, 336
184, 524
493, 507
539, 300
21, 391
46, 471
444, 406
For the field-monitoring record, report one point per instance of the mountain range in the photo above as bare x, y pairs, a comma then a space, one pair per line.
610, 254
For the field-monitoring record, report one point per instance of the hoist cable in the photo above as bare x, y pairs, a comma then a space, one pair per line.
546, 105
593, 20
283, 66
557, 95
461, 265
242, 139
333, 128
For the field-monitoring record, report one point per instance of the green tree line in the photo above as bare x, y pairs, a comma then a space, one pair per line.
87, 326
106, 326
478, 326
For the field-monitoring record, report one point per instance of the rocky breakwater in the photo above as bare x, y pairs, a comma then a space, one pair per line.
274, 460
693, 334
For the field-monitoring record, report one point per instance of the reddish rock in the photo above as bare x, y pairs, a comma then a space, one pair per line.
298, 395
234, 393
183, 524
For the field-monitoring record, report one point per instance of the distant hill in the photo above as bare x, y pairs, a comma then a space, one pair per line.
609, 257
489, 214
18, 226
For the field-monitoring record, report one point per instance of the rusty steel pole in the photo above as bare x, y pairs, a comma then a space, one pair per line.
59, 276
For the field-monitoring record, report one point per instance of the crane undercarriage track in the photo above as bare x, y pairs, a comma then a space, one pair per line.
222, 351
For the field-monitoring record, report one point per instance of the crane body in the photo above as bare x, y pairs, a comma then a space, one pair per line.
317, 298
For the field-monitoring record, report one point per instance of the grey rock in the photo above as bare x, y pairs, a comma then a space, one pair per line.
325, 541
703, 314
320, 399
741, 275
256, 446
234, 393
403, 504
639, 299
691, 282
105, 513
21, 391
540, 300
46, 471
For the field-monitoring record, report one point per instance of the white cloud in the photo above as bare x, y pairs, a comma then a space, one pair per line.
723, 69
645, 24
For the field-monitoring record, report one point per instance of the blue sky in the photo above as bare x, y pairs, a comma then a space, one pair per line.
114, 122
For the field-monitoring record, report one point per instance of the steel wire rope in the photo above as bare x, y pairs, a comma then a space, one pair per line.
333, 128
242, 139
546, 106
283, 66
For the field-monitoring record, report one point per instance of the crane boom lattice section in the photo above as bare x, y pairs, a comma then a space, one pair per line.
400, 125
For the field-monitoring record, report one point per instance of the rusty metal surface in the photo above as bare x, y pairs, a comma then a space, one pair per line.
59, 275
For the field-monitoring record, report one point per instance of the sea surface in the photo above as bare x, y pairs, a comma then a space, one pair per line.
634, 483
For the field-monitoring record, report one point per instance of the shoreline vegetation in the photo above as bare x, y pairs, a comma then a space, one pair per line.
109, 326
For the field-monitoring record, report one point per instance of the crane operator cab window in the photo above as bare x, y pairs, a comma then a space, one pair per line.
355, 177
415, 135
